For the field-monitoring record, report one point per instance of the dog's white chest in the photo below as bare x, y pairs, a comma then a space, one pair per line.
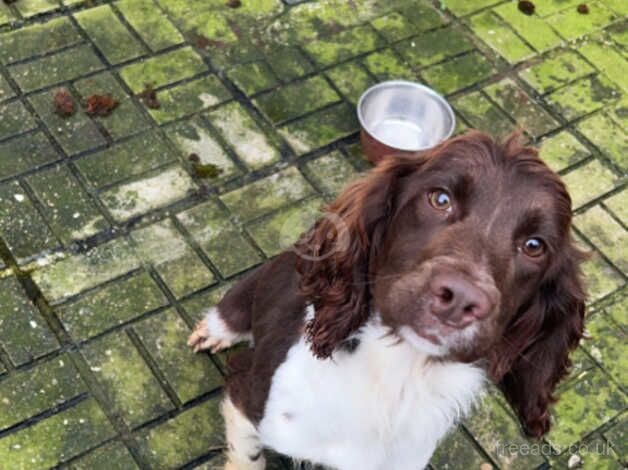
381, 406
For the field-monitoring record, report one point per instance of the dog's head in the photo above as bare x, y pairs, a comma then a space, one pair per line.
466, 253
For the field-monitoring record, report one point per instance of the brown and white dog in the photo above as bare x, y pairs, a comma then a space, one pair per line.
378, 330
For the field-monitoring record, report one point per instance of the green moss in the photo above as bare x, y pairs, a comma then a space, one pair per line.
253, 77
556, 71
14, 119
483, 115
351, 79
343, 45
433, 47
583, 97
460, 72
330, 172
113, 455
386, 65
150, 23
606, 234
608, 136
562, 150
456, 451
608, 346
531, 28
600, 278
588, 182
571, 25
618, 204
500, 37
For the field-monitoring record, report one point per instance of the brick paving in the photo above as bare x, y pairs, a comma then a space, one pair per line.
112, 240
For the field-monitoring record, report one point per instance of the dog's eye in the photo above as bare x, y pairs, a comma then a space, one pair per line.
534, 247
440, 199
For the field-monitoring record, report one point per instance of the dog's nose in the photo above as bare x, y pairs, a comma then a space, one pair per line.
456, 301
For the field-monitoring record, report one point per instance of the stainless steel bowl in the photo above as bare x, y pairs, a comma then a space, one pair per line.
405, 116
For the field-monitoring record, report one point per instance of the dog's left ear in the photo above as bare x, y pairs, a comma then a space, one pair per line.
533, 355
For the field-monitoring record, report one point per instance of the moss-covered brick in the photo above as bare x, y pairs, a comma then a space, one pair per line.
459, 72
288, 63
50, 70
500, 37
387, 65
433, 47
6, 15
30, 392
296, 99
608, 60
267, 194
570, 24
151, 24
6, 91
351, 79
608, 346
562, 150
134, 156
584, 96
25, 153
57, 438
154, 190
76, 133
253, 77
500, 436
618, 204
590, 402
109, 34
127, 118
189, 98
484, 115
606, 234
163, 69
110, 306
223, 242
281, 230
464, 7
77, 273
252, 143
197, 306
549, 7
24, 333
113, 455
607, 136
556, 71
15, 119
194, 137
71, 213
593, 452
532, 28
588, 182
330, 172
394, 26
344, 45
321, 128
601, 278
191, 434
617, 436
177, 264
457, 451
21, 226
125, 379
29, 8
521, 107
189, 374
618, 6
38, 39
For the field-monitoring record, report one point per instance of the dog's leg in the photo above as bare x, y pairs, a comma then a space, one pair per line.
244, 448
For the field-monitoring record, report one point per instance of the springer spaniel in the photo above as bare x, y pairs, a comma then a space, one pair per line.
379, 329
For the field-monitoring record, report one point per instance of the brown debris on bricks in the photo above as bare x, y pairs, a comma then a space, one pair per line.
100, 105
583, 9
63, 103
234, 3
204, 43
526, 7
148, 96
9, 2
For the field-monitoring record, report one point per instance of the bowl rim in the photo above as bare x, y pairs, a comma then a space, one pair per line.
422, 88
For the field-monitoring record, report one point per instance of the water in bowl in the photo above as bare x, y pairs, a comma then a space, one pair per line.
400, 133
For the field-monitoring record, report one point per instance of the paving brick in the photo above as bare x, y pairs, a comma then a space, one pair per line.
464, 7
6, 91
127, 118
601, 278
500, 37
151, 24
252, 143
571, 25
191, 434
253, 77
267, 194
15, 119
53, 69
593, 452
583, 96
128, 384
163, 69
607, 136
21, 226
608, 346
24, 153
351, 79
550, 7
27, 393
459, 72
296, 99
331, 172
588, 182
321, 128
189, 374
29, 8
483, 115
177, 264
434, 46
77, 273
608, 60
135, 156
533, 29
74, 134
37, 40
288, 63
562, 150
197, 306
67, 208
616, 435
605, 233
225, 245
112, 455
189, 98
344, 45
556, 71
394, 26
58, 438
6, 15
110, 306
618, 204
387, 65
457, 451
155, 190
109, 34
